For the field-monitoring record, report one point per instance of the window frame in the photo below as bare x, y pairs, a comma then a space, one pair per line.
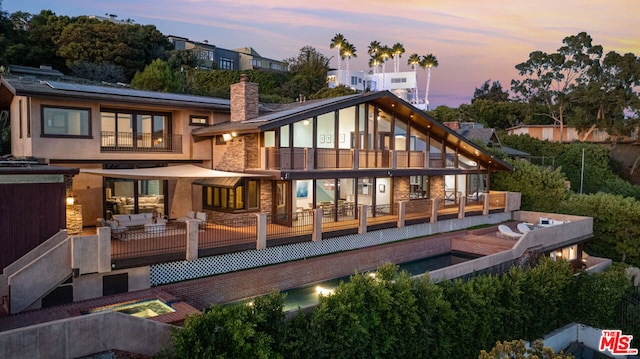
43, 108
201, 117
229, 194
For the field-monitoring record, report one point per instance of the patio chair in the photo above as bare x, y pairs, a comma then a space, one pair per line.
508, 232
523, 227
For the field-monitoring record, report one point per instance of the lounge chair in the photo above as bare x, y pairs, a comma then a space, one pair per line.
508, 232
523, 227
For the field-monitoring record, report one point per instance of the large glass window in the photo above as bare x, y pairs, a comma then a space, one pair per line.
303, 133
326, 130
346, 127
284, 136
243, 194
122, 128
125, 196
73, 122
400, 135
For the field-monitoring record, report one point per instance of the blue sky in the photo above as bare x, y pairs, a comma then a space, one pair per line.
474, 41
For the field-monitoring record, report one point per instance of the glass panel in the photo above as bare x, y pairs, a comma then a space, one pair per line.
252, 198
304, 195
418, 187
284, 136
400, 135
224, 198
418, 140
65, 122
120, 196
124, 127
150, 196
209, 196
365, 191
346, 127
371, 123
326, 130
270, 139
325, 197
239, 198
346, 199
216, 197
232, 197
383, 196
361, 124
303, 134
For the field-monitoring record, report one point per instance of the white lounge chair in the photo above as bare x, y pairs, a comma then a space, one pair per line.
523, 227
508, 232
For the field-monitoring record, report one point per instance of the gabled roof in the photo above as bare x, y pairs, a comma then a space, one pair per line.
485, 136
384, 99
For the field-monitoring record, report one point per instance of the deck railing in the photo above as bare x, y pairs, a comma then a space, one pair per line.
139, 142
239, 234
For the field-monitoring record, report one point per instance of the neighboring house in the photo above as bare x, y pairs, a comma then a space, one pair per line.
401, 84
569, 134
250, 59
487, 136
209, 56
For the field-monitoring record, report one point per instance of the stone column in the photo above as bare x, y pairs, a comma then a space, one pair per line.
362, 213
485, 208
401, 213
461, 206
192, 239
316, 235
434, 210
261, 231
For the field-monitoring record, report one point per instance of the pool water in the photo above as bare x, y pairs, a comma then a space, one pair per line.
143, 309
308, 295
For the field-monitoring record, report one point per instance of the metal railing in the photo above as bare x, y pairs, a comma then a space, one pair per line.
143, 241
139, 142
228, 232
302, 225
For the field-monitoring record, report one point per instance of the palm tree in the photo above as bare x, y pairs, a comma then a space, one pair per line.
348, 51
428, 62
414, 62
374, 52
397, 50
385, 54
338, 41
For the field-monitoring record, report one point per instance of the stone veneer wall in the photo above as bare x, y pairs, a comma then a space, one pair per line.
233, 159
266, 196
436, 189
252, 150
400, 189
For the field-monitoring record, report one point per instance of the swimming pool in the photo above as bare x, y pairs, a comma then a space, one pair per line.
141, 309
308, 295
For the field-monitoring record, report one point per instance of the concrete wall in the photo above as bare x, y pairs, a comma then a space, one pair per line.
86, 335
90, 286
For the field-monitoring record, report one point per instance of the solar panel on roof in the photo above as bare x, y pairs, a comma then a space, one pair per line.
105, 90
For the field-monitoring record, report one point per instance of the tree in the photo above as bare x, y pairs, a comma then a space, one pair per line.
492, 93
374, 54
549, 78
128, 46
517, 349
541, 188
337, 42
241, 330
397, 50
348, 51
414, 62
157, 76
308, 71
428, 61
385, 54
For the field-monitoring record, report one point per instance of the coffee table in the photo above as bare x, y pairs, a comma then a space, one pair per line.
155, 227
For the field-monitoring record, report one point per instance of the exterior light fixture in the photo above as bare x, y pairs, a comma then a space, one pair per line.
226, 136
71, 200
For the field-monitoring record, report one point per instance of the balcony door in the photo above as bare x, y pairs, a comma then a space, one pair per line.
282, 202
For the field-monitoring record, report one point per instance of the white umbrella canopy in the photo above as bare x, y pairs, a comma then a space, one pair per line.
165, 173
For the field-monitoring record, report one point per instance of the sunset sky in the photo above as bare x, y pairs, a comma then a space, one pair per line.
473, 40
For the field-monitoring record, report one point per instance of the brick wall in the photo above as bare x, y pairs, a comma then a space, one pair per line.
252, 151
233, 159
400, 189
436, 189
200, 293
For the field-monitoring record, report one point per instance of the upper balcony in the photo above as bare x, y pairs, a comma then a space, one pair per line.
352, 159
140, 142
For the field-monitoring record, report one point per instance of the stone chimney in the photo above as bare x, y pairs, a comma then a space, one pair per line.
244, 100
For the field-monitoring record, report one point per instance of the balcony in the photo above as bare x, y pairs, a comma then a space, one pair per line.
140, 142
349, 159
